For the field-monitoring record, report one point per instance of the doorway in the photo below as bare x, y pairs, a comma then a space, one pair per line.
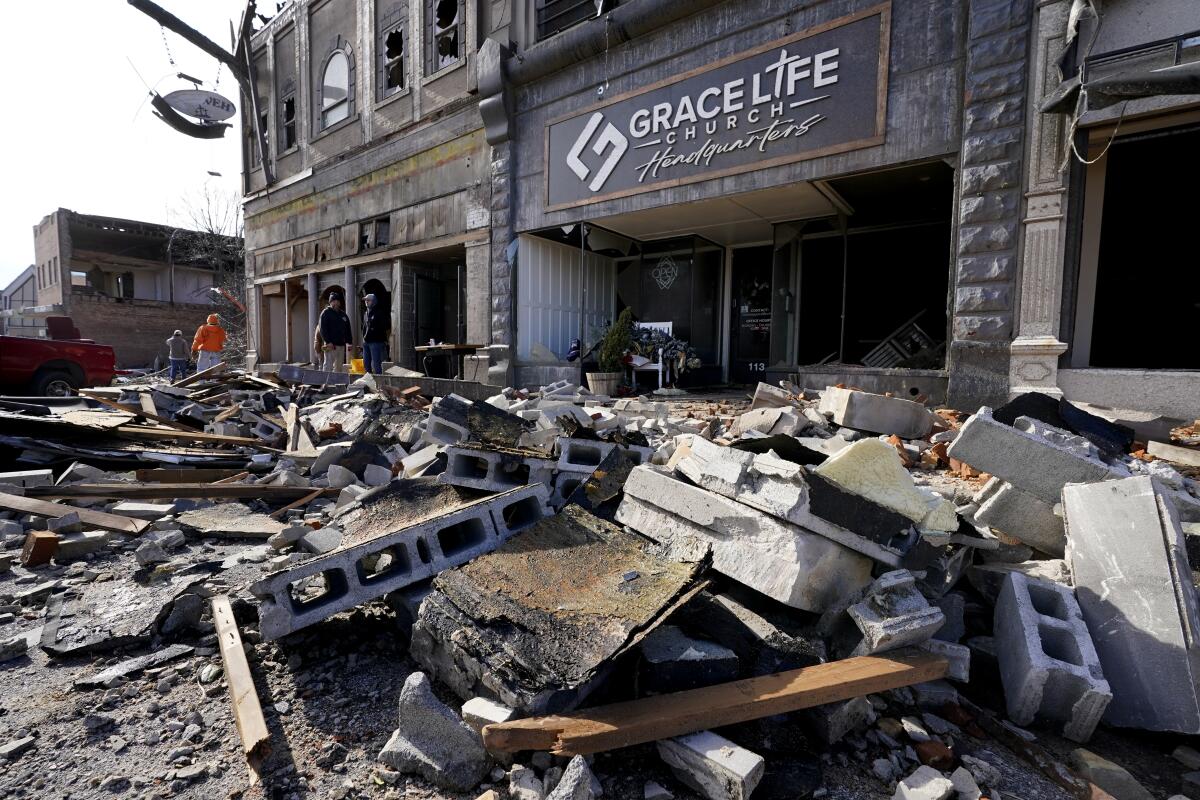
751, 333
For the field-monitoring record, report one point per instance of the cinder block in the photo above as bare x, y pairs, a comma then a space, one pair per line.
493, 471
584, 455
425, 461
1127, 553
712, 765
1028, 462
1020, 515
1048, 663
366, 570
876, 413
447, 421
783, 561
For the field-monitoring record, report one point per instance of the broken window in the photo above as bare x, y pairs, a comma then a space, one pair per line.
393, 61
289, 122
364, 236
383, 230
252, 147
557, 15
125, 285
446, 20
375, 233
335, 90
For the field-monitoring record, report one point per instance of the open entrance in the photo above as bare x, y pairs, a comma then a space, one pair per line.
1138, 253
432, 309
284, 329
383, 304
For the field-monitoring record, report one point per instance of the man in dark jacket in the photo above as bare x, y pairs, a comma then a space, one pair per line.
377, 325
336, 333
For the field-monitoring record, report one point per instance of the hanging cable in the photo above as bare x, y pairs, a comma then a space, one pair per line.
166, 45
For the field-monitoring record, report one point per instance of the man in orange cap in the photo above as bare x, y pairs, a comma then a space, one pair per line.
208, 343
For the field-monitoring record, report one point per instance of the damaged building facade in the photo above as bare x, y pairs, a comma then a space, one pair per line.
152, 278
845, 191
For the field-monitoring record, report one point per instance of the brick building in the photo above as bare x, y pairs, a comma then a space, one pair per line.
126, 283
848, 190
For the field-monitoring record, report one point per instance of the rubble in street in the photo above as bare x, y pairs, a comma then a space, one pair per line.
272, 586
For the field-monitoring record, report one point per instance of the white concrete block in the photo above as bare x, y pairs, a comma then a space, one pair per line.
712, 765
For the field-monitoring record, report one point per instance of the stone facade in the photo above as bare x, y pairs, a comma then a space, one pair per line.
990, 201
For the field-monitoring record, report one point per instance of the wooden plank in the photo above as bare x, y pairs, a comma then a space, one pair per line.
231, 478
97, 519
136, 432
652, 718
234, 409
198, 475
141, 412
201, 375
159, 491
308, 498
247, 710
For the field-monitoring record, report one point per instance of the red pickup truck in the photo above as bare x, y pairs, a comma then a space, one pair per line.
55, 366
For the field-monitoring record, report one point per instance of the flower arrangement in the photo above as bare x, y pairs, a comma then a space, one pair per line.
676, 352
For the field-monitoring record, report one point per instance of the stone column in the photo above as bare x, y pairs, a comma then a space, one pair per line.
990, 178
501, 294
287, 321
351, 300
314, 313
1033, 364
478, 292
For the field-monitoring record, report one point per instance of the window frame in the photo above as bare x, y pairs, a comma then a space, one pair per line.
540, 5
396, 19
342, 47
288, 92
429, 39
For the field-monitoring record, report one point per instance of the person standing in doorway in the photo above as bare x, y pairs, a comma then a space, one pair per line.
208, 343
335, 333
178, 353
377, 326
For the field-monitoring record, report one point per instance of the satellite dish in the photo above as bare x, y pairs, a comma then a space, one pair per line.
200, 104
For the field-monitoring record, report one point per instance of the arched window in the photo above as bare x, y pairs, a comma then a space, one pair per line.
335, 90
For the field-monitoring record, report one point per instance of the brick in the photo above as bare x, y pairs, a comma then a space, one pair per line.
1127, 554
783, 561
1020, 515
713, 766
414, 554
39, 548
1027, 461
1048, 664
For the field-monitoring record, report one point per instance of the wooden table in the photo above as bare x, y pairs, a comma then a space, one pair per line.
455, 352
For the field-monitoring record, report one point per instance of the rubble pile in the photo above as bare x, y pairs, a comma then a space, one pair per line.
557, 595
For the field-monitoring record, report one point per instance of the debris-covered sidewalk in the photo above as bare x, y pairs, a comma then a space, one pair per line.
300, 585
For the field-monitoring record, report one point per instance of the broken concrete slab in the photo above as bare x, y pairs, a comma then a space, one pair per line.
1021, 516
833, 721
1029, 462
769, 421
576, 783
113, 675
537, 623
712, 765
230, 521
768, 396
28, 478
988, 579
146, 511
876, 413
74, 546
392, 539
1110, 777
1048, 663
872, 469
787, 491
433, 742
1187, 456
321, 540
926, 783
480, 711
67, 523
781, 560
425, 461
1128, 557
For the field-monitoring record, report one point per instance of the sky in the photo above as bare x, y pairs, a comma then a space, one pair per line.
81, 134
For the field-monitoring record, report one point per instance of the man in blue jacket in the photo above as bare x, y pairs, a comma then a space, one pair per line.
377, 325
336, 334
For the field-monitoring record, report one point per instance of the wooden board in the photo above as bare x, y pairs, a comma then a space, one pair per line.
201, 375
308, 498
97, 519
141, 411
137, 432
161, 491
247, 710
198, 475
661, 717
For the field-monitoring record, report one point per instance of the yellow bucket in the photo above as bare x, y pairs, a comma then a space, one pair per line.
357, 367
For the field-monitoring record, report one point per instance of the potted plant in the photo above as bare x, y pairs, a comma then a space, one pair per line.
616, 342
